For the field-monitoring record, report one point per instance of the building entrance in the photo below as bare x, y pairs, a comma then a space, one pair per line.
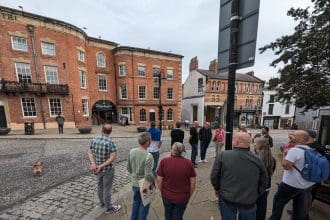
104, 111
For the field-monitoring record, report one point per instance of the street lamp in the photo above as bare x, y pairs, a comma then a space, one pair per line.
160, 106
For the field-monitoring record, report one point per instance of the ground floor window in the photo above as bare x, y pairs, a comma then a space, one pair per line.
85, 107
29, 107
143, 115
127, 111
55, 106
170, 114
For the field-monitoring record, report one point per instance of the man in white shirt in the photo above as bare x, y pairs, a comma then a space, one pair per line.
293, 185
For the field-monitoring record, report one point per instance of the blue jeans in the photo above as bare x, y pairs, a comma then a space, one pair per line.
155, 155
204, 146
173, 211
284, 194
194, 152
139, 211
229, 212
262, 206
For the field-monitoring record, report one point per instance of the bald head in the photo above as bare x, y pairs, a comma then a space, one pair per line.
300, 137
106, 128
241, 140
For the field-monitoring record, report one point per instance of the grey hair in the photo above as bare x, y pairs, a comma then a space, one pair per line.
179, 149
144, 137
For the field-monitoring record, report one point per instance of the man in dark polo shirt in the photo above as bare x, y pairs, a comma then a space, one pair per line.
177, 134
176, 179
101, 154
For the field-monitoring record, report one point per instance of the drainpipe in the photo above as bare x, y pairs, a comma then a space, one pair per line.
35, 64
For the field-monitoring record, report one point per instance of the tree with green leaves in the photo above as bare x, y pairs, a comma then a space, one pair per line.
305, 55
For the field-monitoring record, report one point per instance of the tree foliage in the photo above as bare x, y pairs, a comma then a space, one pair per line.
305, 75
273, 82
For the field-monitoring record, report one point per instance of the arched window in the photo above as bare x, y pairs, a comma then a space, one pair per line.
100, 60
170, 114
143, 115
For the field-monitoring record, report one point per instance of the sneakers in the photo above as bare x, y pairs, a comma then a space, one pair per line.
114, 208
200, 161
205, 161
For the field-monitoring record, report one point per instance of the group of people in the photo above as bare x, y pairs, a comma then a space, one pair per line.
175, 176
241, 177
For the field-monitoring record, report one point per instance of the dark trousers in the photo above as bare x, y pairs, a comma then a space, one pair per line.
155, 155
173, 211
262, 206
104, 185
284, 194
194, 152
204, 146
60, 129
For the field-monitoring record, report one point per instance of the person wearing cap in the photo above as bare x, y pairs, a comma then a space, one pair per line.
176, 179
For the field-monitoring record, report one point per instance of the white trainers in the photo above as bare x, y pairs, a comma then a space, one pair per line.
205, 161
114, 208
200, 161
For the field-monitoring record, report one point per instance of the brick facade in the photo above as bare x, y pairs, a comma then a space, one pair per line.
103, 104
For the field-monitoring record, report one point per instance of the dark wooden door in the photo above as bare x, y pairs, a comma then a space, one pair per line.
152, 116
195, 112
3, 121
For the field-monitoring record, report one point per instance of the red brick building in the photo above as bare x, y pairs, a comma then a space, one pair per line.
48, 67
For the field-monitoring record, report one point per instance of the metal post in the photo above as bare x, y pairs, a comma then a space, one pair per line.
232, 72
160, 107
35, 63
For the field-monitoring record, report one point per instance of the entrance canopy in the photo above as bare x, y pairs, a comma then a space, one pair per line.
103, 105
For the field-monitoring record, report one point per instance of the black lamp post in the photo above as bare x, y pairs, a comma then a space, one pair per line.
160, 106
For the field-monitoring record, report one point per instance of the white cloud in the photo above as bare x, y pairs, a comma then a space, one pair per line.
186, 27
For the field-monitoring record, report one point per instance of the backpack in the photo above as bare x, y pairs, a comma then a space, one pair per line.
316, 166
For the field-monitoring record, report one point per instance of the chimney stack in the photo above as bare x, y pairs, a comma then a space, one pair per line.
193, 64
213, 66
251, 73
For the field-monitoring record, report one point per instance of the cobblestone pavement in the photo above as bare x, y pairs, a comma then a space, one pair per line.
70, 200
63, 160
75, 198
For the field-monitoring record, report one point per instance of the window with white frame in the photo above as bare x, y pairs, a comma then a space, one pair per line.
169, 93
51, 74
169, 74
170, 114
48, 48
141, 71
83, 79
213, 85
28, 107
102, 82
142, 92
23, 72
156, 93
81, 56
128, 112
155, 71
122, 69
143, 115
217, 87
55, 106
19, 43
100, 60
85, 108
123, 91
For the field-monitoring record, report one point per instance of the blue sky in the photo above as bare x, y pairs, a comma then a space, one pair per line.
186, 27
